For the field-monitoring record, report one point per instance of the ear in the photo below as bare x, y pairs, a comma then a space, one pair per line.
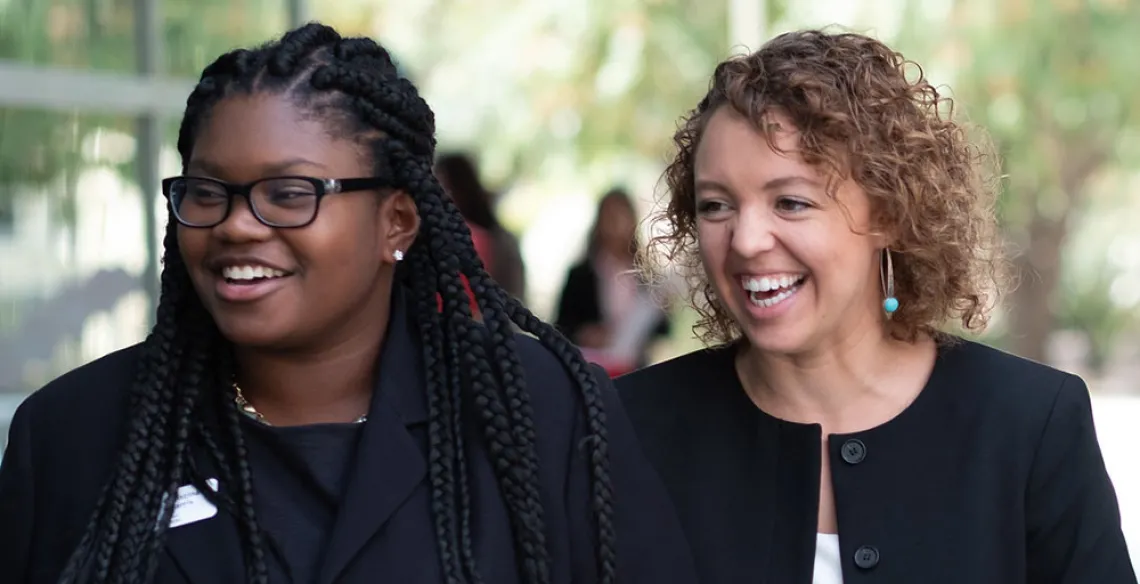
883, 231
399, 225
882, 239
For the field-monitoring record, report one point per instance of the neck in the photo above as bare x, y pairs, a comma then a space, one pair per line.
849, 384
333, 384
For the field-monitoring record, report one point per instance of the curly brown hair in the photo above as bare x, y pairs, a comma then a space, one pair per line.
860, 117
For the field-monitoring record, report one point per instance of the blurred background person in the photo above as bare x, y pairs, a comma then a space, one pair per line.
604, 307
496, 246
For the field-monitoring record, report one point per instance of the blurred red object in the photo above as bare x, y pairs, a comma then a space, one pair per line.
482, 241
614, 366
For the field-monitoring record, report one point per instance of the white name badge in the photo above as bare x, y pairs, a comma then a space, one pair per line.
192, 506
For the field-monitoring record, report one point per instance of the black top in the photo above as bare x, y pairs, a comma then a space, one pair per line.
64, 440
300, 473
993, 475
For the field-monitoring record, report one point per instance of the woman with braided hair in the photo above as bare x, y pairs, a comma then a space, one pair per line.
315, 402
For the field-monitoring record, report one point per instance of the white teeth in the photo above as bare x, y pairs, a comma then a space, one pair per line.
757, 287
767, 284
768, 302
250, 272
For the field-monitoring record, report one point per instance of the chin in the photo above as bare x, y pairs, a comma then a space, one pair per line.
251, 339
785, 340
785, 336
248, 334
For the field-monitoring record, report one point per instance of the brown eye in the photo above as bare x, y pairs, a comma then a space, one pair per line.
791, 205
711, 207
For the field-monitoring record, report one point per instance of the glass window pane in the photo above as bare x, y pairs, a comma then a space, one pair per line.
100, 35
199, 31
72, 246
75, 34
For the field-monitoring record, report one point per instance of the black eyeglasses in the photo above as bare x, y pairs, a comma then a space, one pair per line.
285, 201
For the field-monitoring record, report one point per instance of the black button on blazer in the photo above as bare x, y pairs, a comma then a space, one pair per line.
992, 476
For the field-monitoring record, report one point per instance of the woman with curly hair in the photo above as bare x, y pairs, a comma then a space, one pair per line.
835, 218
316, 403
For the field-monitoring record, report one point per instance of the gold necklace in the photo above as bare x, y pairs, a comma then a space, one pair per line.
247, 408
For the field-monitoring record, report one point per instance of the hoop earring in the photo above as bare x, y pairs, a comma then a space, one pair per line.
887, 279
398, 255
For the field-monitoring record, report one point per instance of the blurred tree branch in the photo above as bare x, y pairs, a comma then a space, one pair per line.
1056, 84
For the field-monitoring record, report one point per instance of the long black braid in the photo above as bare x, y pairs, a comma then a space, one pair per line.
182, 395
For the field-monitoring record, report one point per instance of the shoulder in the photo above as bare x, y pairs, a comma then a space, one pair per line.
1015, 387
63, 443
555, 389
81, 404
551, 382
650, 543
674, 400
988, 364
98, 382
681, 379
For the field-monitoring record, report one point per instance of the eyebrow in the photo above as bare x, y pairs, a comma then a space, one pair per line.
774, 184
276, 168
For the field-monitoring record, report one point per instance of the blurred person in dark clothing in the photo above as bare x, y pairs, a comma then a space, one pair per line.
604, 308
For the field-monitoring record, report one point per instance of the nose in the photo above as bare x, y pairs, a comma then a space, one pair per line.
241, 224
754, 232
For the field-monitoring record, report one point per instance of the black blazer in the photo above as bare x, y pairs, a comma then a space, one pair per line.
992, 476
64, 440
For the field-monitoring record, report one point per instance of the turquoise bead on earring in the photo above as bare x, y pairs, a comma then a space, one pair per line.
887, 279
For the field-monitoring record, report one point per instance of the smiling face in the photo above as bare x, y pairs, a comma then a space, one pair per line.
783, 256
288, 288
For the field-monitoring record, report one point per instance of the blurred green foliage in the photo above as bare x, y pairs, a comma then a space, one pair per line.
1055, 82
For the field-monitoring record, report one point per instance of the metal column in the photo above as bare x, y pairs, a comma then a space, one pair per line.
149, 56
298, 13
747, 24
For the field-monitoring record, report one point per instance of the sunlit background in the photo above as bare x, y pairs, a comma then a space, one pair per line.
559, 100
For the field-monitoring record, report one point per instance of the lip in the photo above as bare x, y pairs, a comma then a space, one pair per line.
764, 313
245, 293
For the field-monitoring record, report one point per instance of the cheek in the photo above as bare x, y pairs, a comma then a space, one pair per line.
713, 238
192, 244
842, 266
339, 255
713, 245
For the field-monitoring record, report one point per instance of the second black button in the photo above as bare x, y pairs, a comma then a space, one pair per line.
853, 451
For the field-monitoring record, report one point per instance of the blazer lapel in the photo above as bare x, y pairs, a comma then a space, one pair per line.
208, 551
389, 464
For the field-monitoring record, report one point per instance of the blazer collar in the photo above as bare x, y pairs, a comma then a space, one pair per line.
389, 463
209, 550
388, 467
399, 373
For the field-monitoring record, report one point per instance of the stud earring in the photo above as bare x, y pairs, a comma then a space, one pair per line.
887, 279
399, 255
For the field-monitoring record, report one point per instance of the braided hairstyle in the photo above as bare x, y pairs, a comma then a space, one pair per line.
181, 395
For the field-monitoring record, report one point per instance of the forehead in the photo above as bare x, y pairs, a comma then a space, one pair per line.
731, 149
246, 137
